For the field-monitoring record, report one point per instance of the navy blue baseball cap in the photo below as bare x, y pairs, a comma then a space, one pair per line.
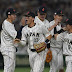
10, 11
59, 12
68, 21
28, 14
42, 9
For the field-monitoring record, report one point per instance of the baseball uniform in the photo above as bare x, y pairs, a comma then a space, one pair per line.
67, 48
56, 48
34, 35
40, 23
8, 50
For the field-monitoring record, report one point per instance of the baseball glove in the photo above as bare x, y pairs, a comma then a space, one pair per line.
49, 56
40, 47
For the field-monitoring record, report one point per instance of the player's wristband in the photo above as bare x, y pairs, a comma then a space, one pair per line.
19, 33
48, 45
46, 41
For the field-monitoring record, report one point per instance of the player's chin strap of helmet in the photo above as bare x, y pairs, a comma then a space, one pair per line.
47, 43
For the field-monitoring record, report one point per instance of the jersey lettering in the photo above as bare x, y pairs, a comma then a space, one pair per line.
32, 34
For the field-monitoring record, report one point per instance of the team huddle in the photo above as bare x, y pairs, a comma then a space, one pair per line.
41, 36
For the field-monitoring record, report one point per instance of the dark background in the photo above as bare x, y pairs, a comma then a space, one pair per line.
23, 6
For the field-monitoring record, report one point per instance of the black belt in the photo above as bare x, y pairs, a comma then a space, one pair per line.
33, 50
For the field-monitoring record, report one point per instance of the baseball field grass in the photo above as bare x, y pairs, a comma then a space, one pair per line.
26, 69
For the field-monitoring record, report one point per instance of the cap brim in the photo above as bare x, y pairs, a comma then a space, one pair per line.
15, 13
42, 12
61, 14
27, 15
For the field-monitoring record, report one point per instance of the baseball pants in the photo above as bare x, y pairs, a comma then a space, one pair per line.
68, 63
9, 61
57, 60
37, 61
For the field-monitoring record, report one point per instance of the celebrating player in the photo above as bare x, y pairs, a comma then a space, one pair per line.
33, 34
40, 19
56, 46
66, 37
8, 34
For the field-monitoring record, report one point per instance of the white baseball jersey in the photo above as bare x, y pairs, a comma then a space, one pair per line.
54, 43
56, 48
39, 22
34, 35
8, 34
67, 42
58, 27
8, 50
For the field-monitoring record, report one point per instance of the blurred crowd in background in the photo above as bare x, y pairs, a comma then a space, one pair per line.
23, 6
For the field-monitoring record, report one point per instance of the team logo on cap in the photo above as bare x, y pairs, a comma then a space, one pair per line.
67, 20
8, 12
27, 12
43, 9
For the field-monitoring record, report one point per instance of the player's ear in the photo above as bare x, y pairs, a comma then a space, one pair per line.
33, 19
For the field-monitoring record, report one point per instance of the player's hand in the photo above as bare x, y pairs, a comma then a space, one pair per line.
16, 40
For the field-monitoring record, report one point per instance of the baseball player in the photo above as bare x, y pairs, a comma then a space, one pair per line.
34, 34
40, 19
66, 37
8, 34
56, 46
